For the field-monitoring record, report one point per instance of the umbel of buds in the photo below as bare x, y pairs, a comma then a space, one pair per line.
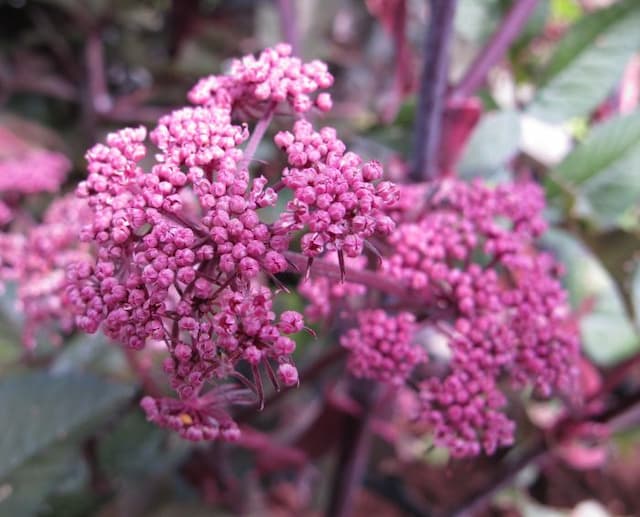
183, 257
181, 247
474, 279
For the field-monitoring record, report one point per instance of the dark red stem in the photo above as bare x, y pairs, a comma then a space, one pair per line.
624, 416
536, 455
495, 49
354, 452
615, 377
400, 46
428, 125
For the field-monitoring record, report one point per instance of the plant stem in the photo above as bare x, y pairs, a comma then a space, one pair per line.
624, 416
258, 133
393, 490
432, 90
288, 24
401, 48
354, 453
98, 481
368, 278
495, 48
403, 72
473, 506
100, 100
615, 377
310, 373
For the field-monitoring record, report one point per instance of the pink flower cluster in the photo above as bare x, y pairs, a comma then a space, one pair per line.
470, 255
38, 170
326, 296
25, 169
199, 418
466, 254
242, 328
49, 249
381, 347
181, 247
255, 84
176, 251
36, 261
334, 193
35, 256
465, 412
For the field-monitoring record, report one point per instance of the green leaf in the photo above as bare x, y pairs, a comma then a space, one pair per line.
26, 489
604, 171
608, 335
588, 62
10, 345
533, 28
565, 11
493, 142
612, 199
133, 449
475, 21
39, 409
90, 353
406, 114
602, 147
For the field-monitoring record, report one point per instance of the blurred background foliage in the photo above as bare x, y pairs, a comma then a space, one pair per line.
562, 104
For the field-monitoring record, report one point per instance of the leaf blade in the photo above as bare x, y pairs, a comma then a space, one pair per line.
603, 172
596, 48
608, 335
492, 143
40, 409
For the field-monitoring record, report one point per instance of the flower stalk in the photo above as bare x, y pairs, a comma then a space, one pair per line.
495, 49
428, 124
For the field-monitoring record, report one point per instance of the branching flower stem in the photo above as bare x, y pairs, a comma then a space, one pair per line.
371, 279
495, 48
258, 134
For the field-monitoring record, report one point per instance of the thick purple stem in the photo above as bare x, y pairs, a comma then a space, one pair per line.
495, 48
428, 123
289, 25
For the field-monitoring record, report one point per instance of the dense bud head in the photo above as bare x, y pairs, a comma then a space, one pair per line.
381, 347
26, 169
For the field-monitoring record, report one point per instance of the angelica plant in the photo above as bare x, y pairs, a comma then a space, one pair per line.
182, 257
389, 276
